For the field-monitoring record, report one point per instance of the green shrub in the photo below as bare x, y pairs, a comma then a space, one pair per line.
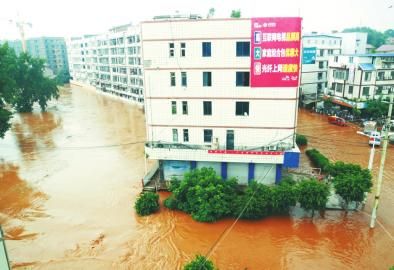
283, 196
301, 140
257, 199
287, 180
352, 187
204, 195
351, 182
147, 203
318, 159
171, 202
200, 263
312, 194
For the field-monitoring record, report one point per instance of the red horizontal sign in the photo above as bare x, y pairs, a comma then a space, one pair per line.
240, 152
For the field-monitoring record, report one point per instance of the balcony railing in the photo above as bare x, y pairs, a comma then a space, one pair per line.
385, 78
278, 146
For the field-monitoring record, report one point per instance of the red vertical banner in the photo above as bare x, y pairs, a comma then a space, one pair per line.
275, 52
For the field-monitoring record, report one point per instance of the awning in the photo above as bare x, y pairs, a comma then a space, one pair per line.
367, 67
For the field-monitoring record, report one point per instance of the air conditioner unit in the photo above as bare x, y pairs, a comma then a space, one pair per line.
272, 147
215, 143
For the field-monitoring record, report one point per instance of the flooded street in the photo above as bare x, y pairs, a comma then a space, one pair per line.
69, 178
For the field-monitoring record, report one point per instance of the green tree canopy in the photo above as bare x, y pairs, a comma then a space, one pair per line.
235, 13
312, 194
147, 203
200, 263
22, 83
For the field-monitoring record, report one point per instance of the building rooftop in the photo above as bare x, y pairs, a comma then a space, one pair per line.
319, 36
386, 48
371, 54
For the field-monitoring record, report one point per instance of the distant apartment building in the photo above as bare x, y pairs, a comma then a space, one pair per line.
314, 78
353, 43
52, 49
205, 106
109, 62
361, 77
314, 72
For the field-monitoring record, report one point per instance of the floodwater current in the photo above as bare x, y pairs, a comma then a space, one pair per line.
69, 178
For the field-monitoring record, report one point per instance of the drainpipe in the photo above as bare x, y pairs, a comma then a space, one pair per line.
359, 87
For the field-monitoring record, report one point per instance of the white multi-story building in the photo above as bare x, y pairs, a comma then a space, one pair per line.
110, 62
361, 77
314, 74
353, 43
201, 110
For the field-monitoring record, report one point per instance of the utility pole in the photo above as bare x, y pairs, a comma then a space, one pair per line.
382, 161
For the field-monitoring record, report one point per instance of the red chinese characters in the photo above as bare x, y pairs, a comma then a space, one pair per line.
241, 152
275, 52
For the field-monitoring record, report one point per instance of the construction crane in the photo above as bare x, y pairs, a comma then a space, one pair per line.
20, 24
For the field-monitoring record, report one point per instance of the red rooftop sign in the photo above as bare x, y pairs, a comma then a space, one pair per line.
275, 52
240, 152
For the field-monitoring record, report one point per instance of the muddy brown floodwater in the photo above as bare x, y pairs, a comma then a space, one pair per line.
69, 178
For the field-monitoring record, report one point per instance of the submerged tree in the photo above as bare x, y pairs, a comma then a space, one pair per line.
22, 83
312, 194
200, 263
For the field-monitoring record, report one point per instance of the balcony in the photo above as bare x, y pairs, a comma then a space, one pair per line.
177, 151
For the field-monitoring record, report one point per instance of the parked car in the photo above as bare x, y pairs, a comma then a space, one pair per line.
337, 120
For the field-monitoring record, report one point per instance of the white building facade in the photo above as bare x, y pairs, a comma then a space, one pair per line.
353, 43
201, 110
314, 75
361, 77
110, 62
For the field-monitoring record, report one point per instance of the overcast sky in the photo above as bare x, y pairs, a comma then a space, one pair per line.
77, 17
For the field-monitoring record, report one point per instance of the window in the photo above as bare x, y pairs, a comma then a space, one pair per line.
172, 49
242, 78
367, 76
183, 79
320, 76
172, 78
184, 107
207, 78
336, 59
243, 48
380, 76
350, 91
183, 49
186, 135
379, 90
333, 86
207, 107
339, 87
330, 52
340, 74
321, 52
321, 64
207, 135
174, 135
350, 59
365, 91
319, 86
206, 49
173, 107
242, 108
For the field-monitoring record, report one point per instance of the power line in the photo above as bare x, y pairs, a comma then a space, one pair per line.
227, 230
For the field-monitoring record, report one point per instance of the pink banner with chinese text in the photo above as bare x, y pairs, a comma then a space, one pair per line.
275, 52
